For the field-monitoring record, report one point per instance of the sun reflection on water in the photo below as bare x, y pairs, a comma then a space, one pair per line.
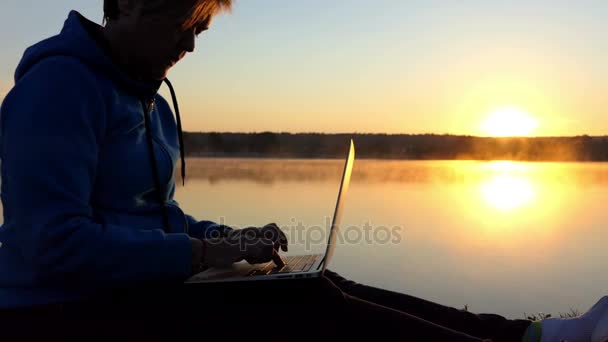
508, 207
508, 187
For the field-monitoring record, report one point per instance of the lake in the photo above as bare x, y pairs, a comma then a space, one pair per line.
504, 237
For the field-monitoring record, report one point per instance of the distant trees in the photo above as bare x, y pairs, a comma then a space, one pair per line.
266, 143
216, 142
383, 146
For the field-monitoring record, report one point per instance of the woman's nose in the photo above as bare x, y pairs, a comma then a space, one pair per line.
188, 42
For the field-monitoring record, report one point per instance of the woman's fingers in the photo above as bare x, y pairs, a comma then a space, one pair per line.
273, 232
276, 258
260, 251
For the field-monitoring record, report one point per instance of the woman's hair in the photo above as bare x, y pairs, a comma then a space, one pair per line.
201, 9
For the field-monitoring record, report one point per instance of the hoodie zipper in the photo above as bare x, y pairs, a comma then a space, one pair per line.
160, 143
161, 191
164, 148
148, 108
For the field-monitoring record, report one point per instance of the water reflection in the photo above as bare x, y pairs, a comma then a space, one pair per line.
507, 193
501, 237
509, 188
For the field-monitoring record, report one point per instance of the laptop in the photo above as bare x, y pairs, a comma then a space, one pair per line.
296, 267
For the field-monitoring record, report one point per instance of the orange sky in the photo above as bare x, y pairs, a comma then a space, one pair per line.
377, 66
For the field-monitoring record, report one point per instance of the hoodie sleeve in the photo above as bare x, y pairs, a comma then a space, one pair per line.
205, 230
52, 125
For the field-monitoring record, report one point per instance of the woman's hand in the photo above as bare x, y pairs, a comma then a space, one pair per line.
221, 252
225, 252
255, 245
270, 232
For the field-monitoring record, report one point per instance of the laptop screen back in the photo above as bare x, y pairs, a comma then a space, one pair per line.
335, 225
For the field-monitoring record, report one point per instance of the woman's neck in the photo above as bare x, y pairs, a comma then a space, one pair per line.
118, 50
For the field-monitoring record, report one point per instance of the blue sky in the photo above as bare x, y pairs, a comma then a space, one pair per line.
374, 65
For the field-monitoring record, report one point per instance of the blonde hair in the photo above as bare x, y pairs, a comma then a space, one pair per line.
205, 10
201, 10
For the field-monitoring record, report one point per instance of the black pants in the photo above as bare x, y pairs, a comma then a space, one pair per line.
313, 309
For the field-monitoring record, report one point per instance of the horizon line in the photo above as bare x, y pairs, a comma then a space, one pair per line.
400, 134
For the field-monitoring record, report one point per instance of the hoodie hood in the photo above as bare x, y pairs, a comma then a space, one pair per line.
81, 39
76, 40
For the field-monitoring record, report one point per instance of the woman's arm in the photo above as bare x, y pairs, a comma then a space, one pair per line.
206, 230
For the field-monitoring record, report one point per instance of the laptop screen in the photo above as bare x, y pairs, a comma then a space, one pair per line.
335, 225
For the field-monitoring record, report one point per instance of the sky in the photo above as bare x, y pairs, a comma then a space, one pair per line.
377, 66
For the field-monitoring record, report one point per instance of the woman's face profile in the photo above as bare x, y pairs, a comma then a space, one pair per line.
158, 40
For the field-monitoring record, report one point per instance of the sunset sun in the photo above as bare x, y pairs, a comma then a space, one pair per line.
509, 122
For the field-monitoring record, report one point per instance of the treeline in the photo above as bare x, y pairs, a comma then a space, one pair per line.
383, 146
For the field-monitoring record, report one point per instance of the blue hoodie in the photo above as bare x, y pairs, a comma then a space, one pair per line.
82, 209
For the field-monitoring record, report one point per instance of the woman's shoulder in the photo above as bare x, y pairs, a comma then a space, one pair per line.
58, 93
65, 70
58, 77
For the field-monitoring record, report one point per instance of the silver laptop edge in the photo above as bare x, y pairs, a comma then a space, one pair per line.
344, 185
239, 271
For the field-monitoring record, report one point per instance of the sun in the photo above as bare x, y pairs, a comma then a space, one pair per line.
509, 122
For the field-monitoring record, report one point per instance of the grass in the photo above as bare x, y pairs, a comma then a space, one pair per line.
541, 315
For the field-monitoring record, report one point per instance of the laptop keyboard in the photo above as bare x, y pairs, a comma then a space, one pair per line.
293, 264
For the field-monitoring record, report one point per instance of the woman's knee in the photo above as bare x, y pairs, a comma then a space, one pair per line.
344, 284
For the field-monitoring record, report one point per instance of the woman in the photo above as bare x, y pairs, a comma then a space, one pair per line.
93, 241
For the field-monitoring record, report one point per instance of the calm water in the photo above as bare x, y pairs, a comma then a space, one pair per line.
500, 237
503, 237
